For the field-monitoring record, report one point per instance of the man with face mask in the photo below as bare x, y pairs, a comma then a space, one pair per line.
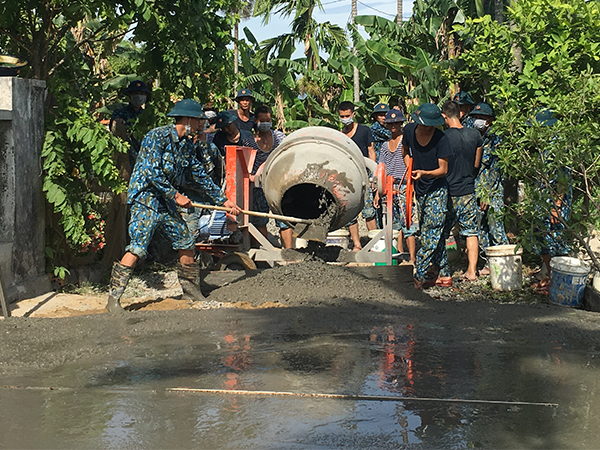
267, 140
123, 118
362, 136
167, 161
489, 184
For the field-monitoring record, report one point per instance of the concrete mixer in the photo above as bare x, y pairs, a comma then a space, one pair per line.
320, 174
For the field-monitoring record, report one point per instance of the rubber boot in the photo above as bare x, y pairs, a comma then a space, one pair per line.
189, 278
118, 282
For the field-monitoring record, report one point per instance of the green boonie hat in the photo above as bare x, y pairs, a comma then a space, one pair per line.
463, 98
428, 114
483, 109
244, 93
381, 108
223, 119
546, 118
187, 108
393, 116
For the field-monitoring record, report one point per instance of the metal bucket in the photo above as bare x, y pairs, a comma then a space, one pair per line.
568, 278
316, 171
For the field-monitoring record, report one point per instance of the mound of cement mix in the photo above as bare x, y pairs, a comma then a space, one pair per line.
308, 282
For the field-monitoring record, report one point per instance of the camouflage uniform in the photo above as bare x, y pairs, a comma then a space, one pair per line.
165, 163
380, 135
128, 114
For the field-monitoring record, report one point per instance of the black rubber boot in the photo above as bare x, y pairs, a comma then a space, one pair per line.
118, 282
189, 278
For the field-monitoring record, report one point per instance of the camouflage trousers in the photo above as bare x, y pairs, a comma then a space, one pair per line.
433, 207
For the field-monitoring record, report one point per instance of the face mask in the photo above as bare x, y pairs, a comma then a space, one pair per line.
263, 126
138, 100
188, 129
346, 121
210, 114
480, 125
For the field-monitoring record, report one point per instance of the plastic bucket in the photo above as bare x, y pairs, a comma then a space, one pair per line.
568, 277
506, 273
338, 238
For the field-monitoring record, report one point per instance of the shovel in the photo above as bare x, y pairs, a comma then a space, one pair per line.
308, 229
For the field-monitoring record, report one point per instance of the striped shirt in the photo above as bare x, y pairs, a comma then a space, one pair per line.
394, 163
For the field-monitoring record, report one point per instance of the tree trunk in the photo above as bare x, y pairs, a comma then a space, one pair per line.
356, 76
499, 10
236, 53
399, 12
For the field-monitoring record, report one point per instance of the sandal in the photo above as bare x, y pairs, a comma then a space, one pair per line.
418, 284
542, 287
444, 282
484, 271
464, 277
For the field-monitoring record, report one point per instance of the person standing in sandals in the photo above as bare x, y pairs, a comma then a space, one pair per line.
267, 140
363, 138
489, 183
391, 156
167, 160
244, 118
430, 149
463, 164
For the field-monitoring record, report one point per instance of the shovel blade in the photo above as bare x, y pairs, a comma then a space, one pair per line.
311, 232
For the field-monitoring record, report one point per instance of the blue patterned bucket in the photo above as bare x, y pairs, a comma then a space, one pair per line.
567, 280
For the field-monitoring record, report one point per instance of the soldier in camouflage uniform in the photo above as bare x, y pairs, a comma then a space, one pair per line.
167, 161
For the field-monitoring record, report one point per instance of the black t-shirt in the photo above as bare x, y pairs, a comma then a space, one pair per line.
246, 140
240, 124
426, 158
363, 137
461, 171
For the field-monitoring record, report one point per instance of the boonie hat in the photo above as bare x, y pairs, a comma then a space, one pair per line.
546, 117
483, 109
223, 119
393, 116
187, 108
244, 93
463, 98
137, 86
381, 108
428, 114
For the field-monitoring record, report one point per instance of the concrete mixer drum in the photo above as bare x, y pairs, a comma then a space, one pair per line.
317, 173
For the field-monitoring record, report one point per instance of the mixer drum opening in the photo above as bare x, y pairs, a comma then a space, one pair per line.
307, 201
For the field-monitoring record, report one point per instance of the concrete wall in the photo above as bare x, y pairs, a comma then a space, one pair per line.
22, 204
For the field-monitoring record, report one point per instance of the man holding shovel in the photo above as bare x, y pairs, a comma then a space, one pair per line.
166, 162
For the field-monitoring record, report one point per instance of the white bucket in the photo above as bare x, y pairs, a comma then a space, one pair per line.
380, 244
506, 267
568, 279
300, 243
338, 238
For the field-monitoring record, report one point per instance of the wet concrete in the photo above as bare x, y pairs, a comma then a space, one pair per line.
103, 382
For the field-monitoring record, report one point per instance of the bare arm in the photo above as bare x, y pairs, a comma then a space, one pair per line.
478, 154
440, 172
372, 154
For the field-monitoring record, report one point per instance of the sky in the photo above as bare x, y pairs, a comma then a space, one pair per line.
334, 11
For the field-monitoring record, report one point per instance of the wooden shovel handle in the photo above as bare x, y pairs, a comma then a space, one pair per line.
254, 213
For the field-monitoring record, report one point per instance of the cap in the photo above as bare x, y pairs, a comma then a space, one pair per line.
187, 108
223, 119
483, 109
137, 86
546, 117
463, 98
428, 114
393, 116
381, 108
244, 93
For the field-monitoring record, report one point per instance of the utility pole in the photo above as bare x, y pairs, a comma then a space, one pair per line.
356, 79
399, 12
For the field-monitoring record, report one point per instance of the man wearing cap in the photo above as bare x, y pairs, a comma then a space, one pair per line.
466, 103
429, 149
466, 144
229, 134
166, 161
378, 129
551, 241
122, 118
363, 138
244, 119
489, 183
391, 157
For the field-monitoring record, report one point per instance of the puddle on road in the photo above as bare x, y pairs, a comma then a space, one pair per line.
126, 404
